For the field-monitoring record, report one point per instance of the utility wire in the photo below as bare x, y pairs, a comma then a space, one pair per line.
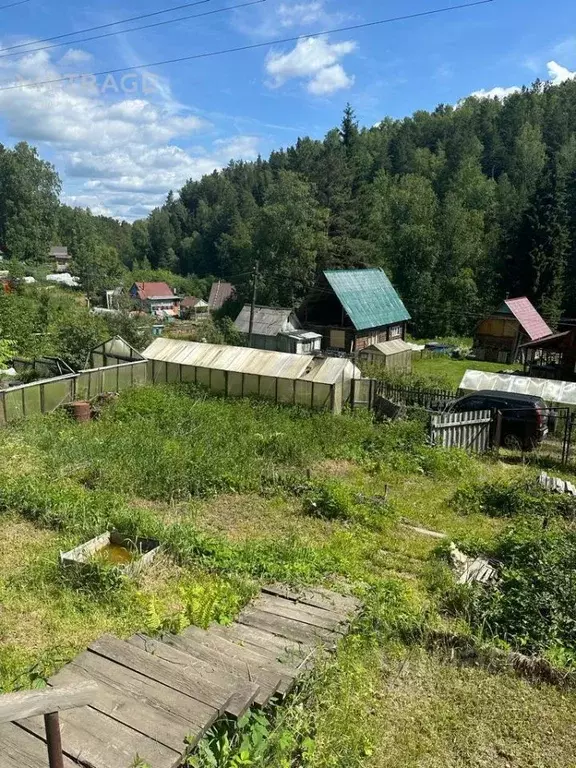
104, 26
133, 29
254, 46
12, 5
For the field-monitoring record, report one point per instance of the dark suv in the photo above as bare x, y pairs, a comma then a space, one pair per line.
524, 417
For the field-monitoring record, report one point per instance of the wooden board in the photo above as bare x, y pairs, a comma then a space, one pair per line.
20, 749
98, 741
241, 694
276, 648
191, 713
17, 706
136, 714
247, 655
307, 614
180, 677
318, 597
288, 628
268, 682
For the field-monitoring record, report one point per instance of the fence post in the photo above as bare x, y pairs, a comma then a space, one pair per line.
497, 439
54, 740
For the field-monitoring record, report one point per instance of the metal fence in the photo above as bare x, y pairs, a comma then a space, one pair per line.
46, 396
431, 399
470, 430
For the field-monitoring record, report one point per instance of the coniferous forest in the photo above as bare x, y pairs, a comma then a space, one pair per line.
461, 206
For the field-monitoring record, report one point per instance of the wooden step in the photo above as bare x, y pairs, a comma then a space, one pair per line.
242, 694
246, 654
194, 716
20, 749
275, 648
98, 741
288, 628
181, 676
138, 714
315, 617
268, 682
318, 597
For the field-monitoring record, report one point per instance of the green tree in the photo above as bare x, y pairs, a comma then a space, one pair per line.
29, 189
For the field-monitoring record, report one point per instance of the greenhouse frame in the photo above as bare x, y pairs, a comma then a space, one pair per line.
312, 382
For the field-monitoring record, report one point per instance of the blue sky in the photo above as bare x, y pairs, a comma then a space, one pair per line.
121, 144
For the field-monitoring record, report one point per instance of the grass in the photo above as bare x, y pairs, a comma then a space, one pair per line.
450, 371
227, 486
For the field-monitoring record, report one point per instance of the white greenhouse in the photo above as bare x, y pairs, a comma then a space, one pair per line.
314, 382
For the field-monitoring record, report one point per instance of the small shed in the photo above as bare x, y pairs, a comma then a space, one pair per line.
499, 336
276, 329
192, 307
313, 382
395, 355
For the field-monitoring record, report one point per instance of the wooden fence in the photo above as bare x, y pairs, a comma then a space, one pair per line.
46, 396
469, 430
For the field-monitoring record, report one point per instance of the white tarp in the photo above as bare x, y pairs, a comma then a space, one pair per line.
561, 392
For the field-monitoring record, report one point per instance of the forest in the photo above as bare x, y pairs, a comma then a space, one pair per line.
461, 206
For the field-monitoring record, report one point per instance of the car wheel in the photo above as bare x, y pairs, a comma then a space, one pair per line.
512, 443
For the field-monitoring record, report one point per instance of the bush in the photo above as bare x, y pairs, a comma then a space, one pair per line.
515, 499
532, 606
331, 500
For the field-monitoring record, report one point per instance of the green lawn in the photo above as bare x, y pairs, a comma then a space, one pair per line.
451, 371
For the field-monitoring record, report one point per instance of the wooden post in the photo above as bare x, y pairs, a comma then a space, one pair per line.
253, 304
53, 740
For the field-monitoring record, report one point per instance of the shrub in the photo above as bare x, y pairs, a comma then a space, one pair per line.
532, 606
513, 499
331, 500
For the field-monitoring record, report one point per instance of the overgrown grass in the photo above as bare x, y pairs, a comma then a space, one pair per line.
241, 492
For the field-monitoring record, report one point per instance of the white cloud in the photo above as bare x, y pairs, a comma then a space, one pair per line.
300, 14
117, 150
558, 74
76, 56
496, 93
330, 80
315, 59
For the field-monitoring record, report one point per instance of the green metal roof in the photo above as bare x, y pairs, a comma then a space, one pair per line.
368, 296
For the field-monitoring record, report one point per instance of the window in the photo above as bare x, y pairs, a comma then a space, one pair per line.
395, 331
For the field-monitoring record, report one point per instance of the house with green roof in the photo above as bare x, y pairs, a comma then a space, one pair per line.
354, 308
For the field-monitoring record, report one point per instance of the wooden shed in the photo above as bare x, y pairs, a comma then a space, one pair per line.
499, 336
395, 355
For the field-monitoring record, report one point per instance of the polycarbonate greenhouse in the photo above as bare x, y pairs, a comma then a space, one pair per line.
314, 382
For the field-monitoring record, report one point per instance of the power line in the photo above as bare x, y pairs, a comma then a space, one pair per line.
12, 5
255, 46
105, 26
132, 29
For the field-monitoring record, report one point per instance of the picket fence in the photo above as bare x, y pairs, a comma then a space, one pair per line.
469, 430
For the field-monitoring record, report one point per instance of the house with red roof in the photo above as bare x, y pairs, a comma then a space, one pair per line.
156, 299
499, 337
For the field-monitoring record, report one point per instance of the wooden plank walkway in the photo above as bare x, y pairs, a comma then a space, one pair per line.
157, 697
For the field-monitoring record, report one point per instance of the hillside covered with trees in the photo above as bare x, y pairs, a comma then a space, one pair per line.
461, 206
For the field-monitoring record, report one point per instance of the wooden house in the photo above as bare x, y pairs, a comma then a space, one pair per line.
353, 309
278, 330
156, 299
61, 258
499, 337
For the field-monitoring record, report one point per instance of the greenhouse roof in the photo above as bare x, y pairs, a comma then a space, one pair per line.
251, 361
562, 392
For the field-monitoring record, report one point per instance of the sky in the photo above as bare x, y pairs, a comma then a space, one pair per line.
121, 142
